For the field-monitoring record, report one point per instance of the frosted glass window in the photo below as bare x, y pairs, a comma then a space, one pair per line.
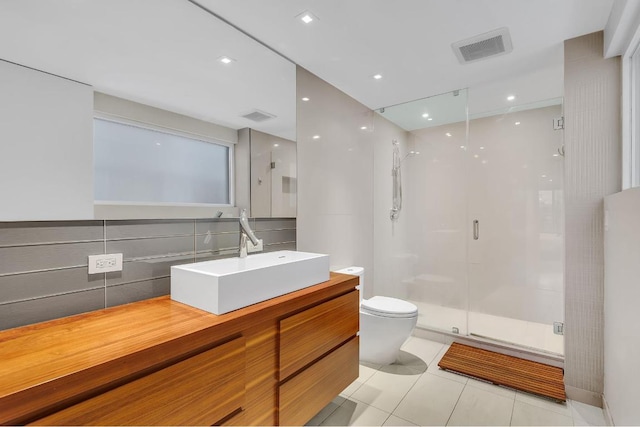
135, 164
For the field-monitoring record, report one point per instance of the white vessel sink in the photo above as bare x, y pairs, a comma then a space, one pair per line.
224, 285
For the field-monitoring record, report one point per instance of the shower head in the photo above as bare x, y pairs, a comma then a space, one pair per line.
410, 154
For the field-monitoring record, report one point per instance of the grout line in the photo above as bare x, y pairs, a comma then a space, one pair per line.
95, 288
44, 270
513, 408
27, 245
456, 405
150, 279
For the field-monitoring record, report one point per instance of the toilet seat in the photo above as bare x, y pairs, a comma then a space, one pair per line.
388, 307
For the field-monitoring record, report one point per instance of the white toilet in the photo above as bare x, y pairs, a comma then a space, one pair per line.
385, 324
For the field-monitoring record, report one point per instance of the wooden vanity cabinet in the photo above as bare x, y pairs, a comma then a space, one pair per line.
200, 390
160, 362
318, 357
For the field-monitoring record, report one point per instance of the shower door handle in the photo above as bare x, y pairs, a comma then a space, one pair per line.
476, 229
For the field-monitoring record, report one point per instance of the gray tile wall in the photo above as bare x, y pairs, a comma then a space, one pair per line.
43, 265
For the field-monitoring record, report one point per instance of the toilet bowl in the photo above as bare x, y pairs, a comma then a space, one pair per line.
385, 324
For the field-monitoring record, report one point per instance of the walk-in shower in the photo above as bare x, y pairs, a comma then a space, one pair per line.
479, 244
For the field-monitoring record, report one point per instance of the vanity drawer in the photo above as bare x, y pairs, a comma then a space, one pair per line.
304, 395
306, 336
200, 390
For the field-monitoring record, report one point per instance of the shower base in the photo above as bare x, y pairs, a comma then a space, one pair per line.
528, 335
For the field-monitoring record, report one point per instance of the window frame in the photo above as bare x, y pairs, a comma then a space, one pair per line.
187, 210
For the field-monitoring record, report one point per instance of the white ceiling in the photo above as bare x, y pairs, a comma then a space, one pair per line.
164, 52
409, 43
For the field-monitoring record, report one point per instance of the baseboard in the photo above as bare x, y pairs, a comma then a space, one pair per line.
485, 344
607, 413
584, 396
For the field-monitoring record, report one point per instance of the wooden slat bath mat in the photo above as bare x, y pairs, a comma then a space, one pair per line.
509, 371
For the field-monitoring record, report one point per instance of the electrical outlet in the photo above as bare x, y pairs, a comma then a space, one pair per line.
105, 263
254, 248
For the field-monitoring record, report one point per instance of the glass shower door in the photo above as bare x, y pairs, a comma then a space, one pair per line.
435, 204
515, 227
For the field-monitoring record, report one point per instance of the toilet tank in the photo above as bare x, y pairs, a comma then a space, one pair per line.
355, 271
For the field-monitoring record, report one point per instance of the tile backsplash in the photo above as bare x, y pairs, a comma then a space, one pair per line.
43, 265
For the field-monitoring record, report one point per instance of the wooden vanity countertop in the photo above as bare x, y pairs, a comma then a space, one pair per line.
51, 365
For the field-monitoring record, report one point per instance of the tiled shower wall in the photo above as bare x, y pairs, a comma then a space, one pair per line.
43, 265
592, 88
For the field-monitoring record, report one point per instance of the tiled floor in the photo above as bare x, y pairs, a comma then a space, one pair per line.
415, 391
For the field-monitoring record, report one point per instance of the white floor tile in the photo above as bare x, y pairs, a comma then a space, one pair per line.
529, 415
397, 421
324, 413
482, 408
587, 415
430, 401
501, 391
540, 402
366, 371
435, 370
384, 390
424, 349
355, 413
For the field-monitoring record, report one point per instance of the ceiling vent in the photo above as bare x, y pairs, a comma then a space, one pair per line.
487, 45
258, 116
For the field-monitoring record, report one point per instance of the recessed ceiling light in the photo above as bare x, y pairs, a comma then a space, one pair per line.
511, 97
307, 17
556, 155
476, 156
363, 127
448, 134
226, 60
305, 99
544, 176
517, 123
429, 119
316, 136
482, 148
550, 180
377, 76
484, 162
425, 115
462, 146
276, 145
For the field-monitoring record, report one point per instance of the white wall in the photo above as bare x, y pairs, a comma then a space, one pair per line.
335, 175
391, 255
621, 314
46, 153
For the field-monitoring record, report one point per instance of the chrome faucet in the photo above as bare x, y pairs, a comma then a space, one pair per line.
245, 231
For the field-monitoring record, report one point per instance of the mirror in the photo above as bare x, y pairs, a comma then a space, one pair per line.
273, 174
165, 54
